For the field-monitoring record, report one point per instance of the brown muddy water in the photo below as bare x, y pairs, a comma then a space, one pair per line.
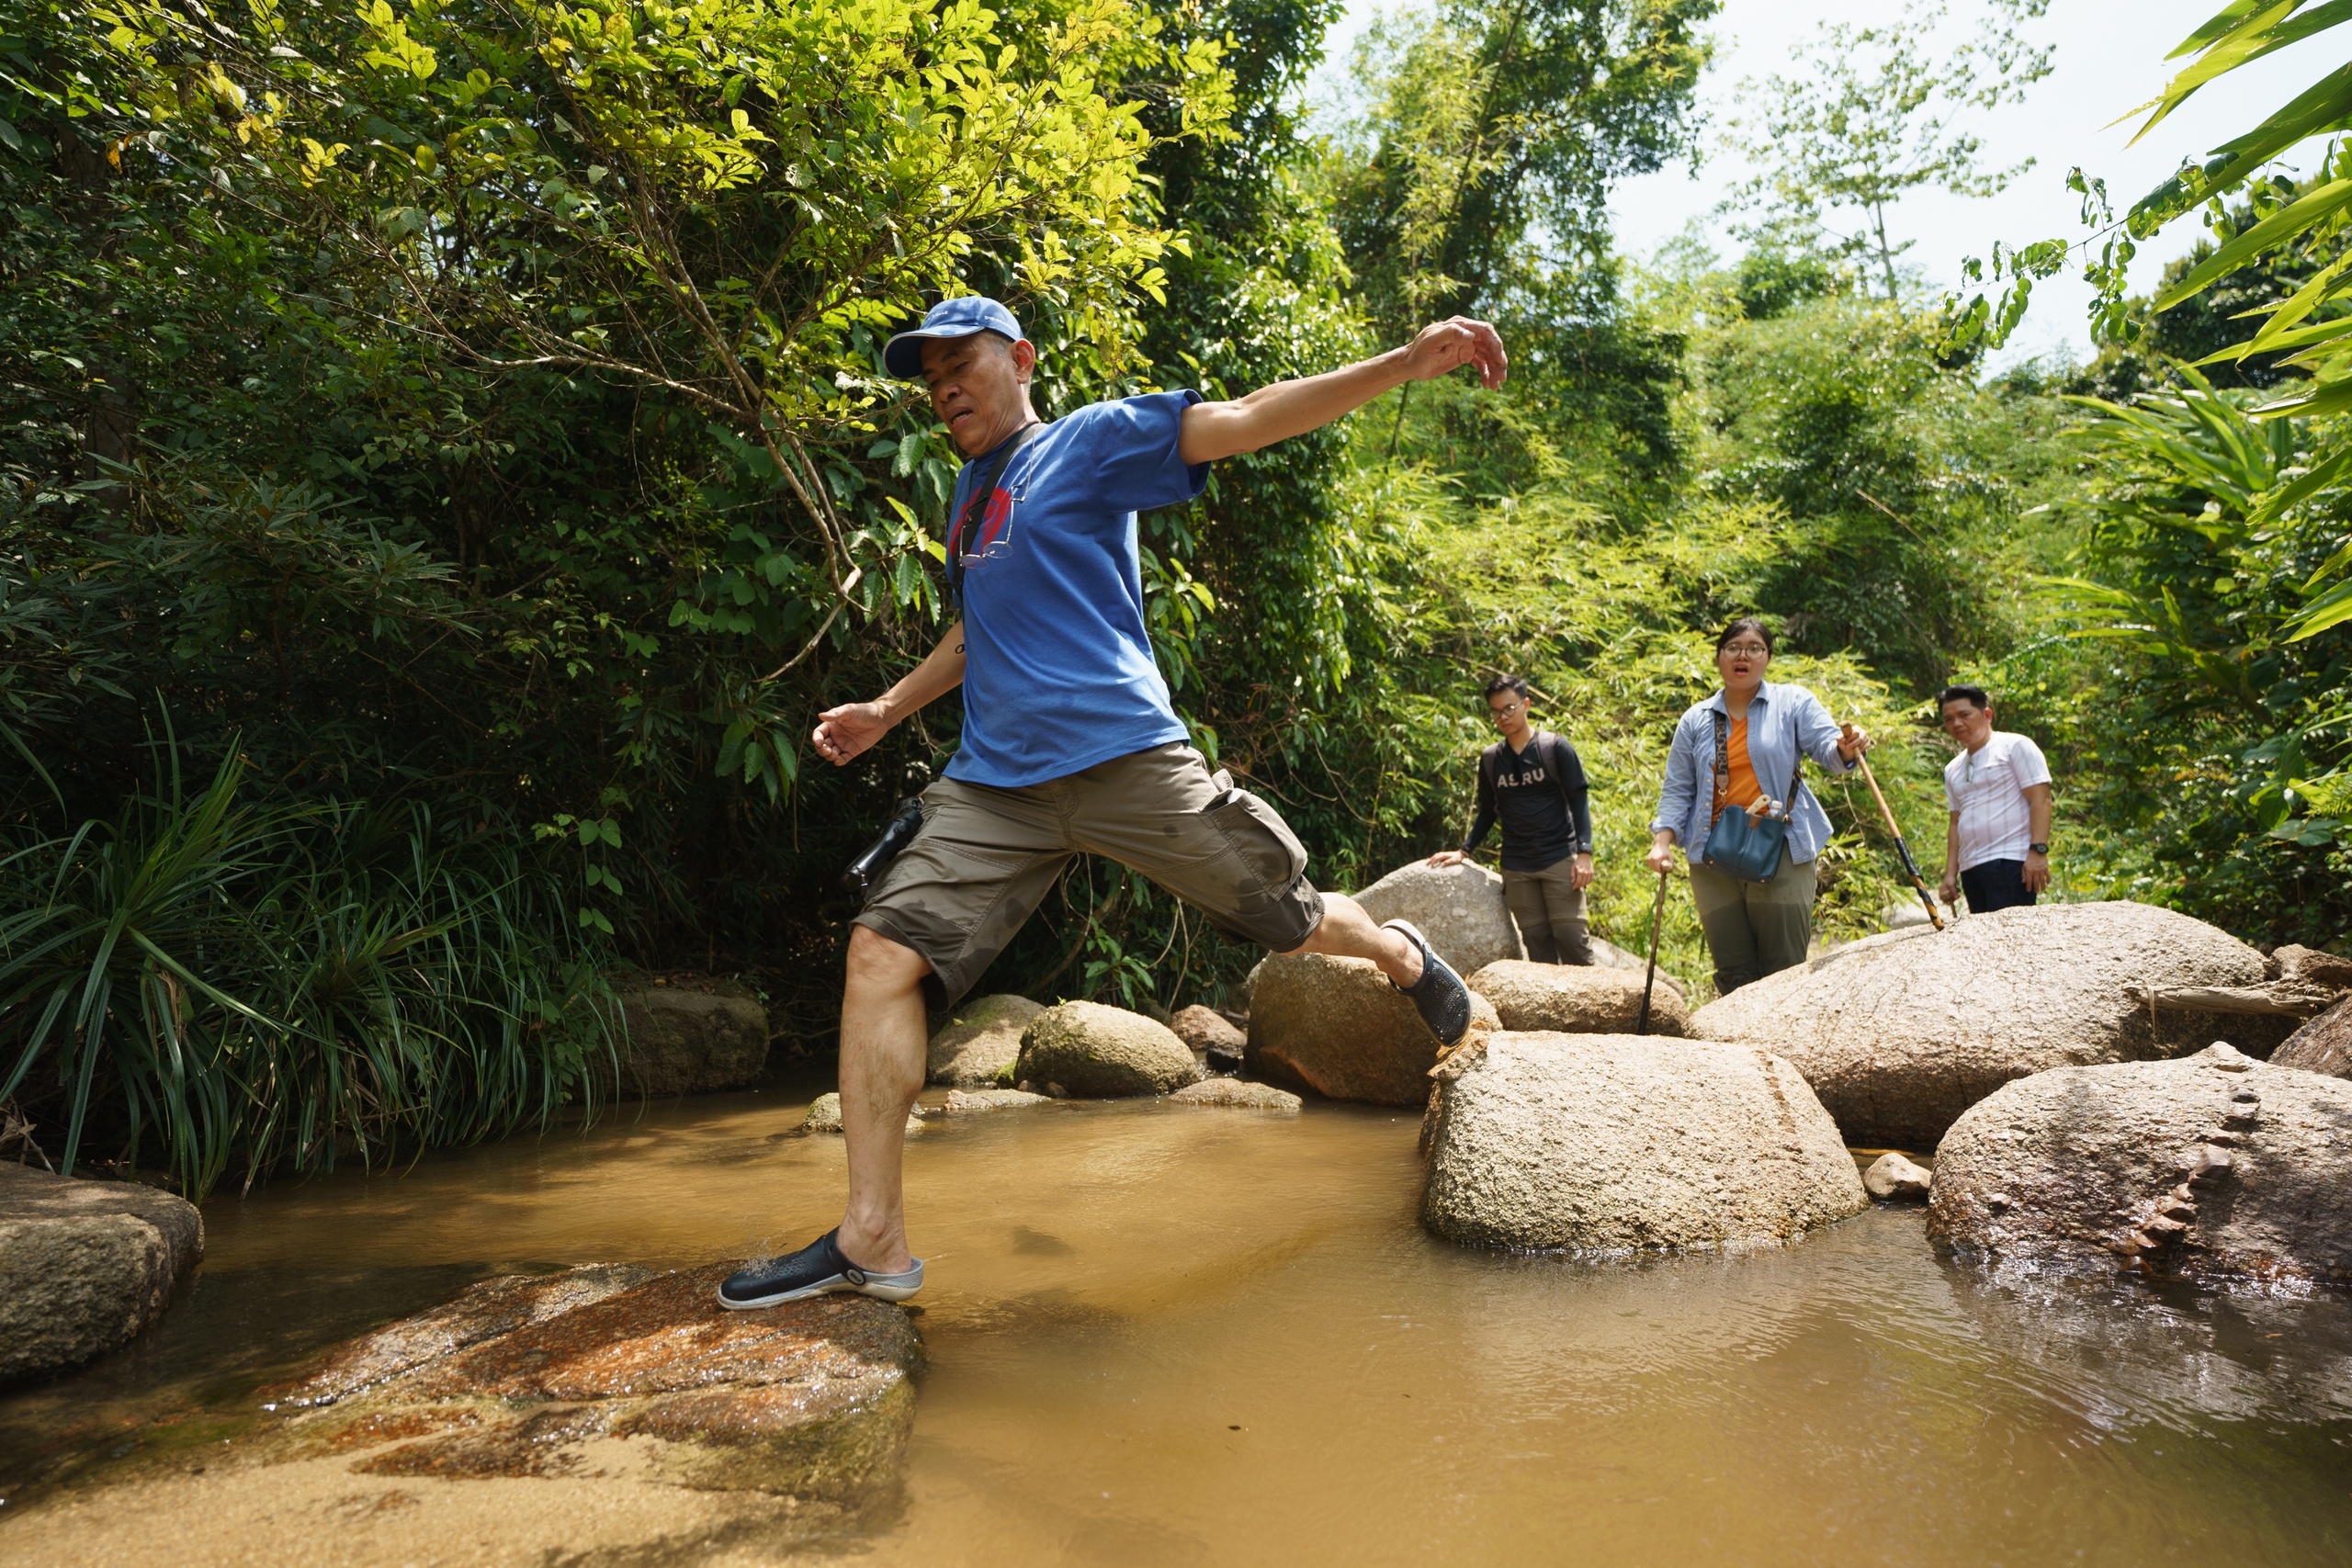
1169, 1334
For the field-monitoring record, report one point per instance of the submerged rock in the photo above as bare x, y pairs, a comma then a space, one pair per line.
1899, 1033
1893, 1175
688, 1039
1337, 1026
980, 1040
971, 1101
614, 1370
1210, 1037
1239, 1095
2214, 1165
1094, 1052
825, 1115
1576, 999
2322, 1045
84, 1265
1459, 908
1624, 1143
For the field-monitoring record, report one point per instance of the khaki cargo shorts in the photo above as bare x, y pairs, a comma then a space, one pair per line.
987, 857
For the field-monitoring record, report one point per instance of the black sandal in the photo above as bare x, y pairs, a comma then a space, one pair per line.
1439, 996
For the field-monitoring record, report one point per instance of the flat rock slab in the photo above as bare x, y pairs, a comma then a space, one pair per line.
1899, 1033
618, 1371
2215, 1165
1239, 1096
1094, 1052
1459, 908
1337, 1026
979, 1040
1567, 998
972, 1101
1619, 1143
84, 1265
825, 1116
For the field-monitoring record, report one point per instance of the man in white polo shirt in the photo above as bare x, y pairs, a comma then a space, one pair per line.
1998, 788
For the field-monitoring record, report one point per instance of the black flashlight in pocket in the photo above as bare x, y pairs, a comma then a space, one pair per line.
866, 869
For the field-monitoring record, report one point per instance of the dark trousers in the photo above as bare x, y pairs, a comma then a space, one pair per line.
1995, 884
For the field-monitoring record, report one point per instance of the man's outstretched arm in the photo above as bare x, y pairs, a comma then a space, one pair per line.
1273, 413
843, 732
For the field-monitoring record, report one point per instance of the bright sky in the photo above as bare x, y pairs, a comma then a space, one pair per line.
2109, 57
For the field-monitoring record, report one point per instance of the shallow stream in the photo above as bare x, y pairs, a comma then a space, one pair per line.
1167, 1335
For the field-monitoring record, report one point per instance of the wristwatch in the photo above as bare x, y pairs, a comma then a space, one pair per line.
2037, 849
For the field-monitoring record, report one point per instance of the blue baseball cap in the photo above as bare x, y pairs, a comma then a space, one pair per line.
902, 356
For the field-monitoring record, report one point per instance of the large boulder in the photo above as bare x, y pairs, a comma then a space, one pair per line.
1899, 1033
1459, 908
619, 1370
2215, 1165
2322, 1045
1618, 1142
1337, 1026
692, 1035
1094, 1052
84, 1265
1572, 999
980, 1040
1607, 954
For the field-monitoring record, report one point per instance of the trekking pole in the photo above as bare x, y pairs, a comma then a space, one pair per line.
1935, 915
1658, 915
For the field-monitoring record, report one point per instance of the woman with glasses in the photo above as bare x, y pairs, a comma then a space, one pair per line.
1743, 749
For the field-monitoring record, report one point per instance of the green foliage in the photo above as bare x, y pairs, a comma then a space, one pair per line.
290, 986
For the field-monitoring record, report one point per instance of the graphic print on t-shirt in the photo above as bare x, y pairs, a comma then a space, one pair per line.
990, 538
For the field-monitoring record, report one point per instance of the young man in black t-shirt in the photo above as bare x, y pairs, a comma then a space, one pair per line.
1534, 782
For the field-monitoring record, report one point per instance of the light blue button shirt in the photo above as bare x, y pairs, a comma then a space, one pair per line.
1779, 720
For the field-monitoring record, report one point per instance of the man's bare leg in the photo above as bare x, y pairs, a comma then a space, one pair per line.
883, 1047
1348, 932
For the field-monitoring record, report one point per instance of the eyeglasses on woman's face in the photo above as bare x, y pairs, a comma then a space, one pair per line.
1744, 650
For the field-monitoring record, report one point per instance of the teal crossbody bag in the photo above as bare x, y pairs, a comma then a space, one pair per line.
1737, 846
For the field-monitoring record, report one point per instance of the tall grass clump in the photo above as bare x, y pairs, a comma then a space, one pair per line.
284, 988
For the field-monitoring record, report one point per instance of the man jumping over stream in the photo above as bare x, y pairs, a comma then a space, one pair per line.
1069, 744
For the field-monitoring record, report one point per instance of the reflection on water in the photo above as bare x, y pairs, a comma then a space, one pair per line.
1161, 1333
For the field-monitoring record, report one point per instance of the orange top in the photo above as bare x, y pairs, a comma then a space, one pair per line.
1742, 788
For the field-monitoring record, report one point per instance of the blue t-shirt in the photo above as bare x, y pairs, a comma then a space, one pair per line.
1058, 667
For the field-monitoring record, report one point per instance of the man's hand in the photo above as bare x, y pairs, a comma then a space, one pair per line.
1445, 857
1950, 892
2036, 875
1447, 345
1852, 742
845, 731
1581, 877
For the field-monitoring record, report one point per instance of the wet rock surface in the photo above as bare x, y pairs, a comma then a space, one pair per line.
1240, 1096
84, 1265
619, 1372
1459, 908
980, 1040
1094, 1052
1899, 1033
1622, 1142
689, 1038
1210, 1037
2215, 1166
1337, 1026
1576, 999
2322, 1045
972, 1101
1894, 1175
825, 1116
